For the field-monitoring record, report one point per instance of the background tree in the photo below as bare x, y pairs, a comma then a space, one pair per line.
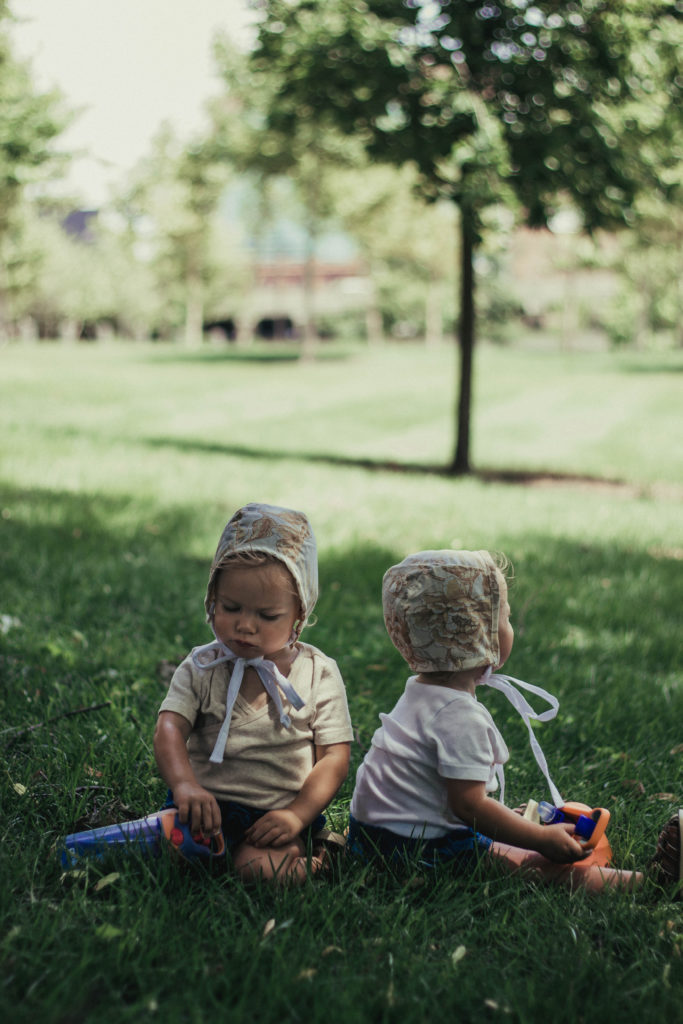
308, 154
536, 100
404, 242
90, 284
171, 201
30, 122
649, 300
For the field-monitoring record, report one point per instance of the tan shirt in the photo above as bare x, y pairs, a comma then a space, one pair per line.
265, 764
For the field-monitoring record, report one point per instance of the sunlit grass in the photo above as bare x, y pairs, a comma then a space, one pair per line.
540, 411
119, 468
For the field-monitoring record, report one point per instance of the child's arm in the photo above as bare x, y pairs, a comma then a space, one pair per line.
470, 802
195, 804
276, 828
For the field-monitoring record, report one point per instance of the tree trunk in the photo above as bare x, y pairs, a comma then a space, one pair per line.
374, 326
309, 337
461, 459
194, 309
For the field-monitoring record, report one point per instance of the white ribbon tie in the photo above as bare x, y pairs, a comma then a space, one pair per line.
268, 673
508, 685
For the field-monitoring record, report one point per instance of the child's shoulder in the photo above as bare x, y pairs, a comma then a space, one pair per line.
188, 674
429, 701
313, 662
308, 652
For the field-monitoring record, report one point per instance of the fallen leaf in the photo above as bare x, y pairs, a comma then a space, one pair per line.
331, 949
19, 788
633, 784
8, 622
662, 796
307, 974
107, 880
457, 955
108, 932
269, 927
73, 876
677, 750
493, 1005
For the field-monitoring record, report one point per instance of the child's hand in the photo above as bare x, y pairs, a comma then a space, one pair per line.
196, 805
558, 844
275, 828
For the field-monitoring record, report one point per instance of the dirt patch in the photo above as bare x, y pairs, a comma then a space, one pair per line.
577, 481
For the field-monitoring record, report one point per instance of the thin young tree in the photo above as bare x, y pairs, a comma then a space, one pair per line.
544, 101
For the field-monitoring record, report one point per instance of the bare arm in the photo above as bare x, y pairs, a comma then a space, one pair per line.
329, 771
195, 804
470, 802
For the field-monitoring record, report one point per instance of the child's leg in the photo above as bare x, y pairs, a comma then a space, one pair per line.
576, 875
275, 863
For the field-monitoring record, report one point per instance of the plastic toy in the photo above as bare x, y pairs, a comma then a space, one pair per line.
147, 835
590, 824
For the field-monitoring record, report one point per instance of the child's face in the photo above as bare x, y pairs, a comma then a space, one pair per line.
506, 633
255, 610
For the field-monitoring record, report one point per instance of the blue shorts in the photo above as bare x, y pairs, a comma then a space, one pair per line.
237, 818
462, 847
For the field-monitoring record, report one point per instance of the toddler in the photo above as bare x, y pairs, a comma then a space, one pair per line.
254, 734
425, 786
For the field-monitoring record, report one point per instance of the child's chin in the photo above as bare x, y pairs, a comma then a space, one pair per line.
240, 646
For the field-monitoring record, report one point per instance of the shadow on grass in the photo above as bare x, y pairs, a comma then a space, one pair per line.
655, 366
275, 353
101, 588
521, 477
96, 593
99, 596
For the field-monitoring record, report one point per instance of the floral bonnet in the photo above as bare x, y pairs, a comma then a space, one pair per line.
280, 532
441, 610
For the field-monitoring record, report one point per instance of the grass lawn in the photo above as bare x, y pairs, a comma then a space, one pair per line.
119, 467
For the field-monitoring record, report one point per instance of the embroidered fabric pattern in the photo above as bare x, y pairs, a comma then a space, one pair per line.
441, 610
280, 532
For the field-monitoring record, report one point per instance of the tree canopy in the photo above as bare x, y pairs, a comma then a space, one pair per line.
542, 101
30, 121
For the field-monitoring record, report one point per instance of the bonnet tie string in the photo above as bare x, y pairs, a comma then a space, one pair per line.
268, 673
508, 685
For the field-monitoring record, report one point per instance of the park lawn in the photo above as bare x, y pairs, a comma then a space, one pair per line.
120, 465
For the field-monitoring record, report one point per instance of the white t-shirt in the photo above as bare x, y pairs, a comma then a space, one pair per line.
265, 764
433, 733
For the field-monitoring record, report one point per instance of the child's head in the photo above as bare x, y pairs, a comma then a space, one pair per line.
266, 535
447, 611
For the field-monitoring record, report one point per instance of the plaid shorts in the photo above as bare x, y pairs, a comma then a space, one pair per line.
461, 847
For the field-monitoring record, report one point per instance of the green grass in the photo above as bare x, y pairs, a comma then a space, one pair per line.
119, 467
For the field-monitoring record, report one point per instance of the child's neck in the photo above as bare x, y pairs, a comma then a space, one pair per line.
466, 680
